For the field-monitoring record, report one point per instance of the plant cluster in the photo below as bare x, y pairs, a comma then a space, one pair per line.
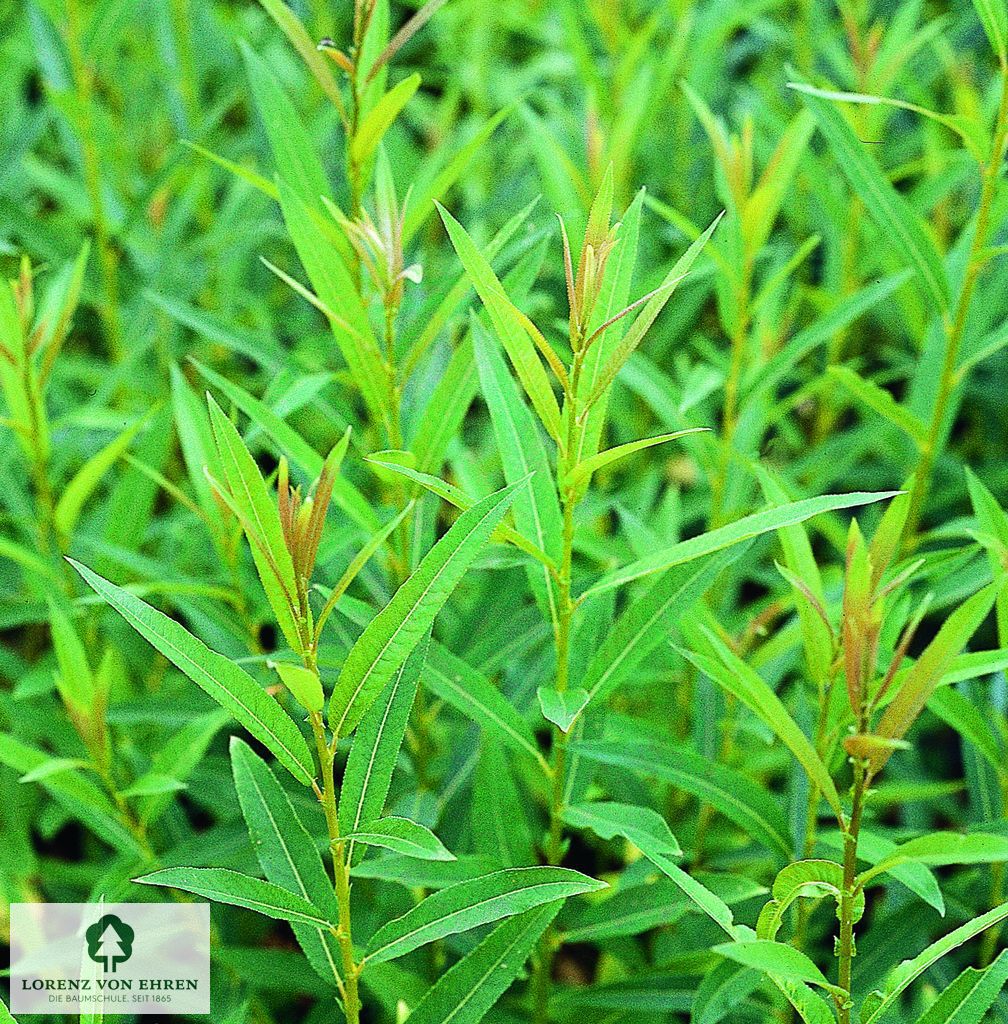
510, 502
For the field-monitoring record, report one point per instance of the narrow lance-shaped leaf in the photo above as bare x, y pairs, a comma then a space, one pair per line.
89, 476
647, 621
910, 970
583, 471
970, 996
468, 691
941, 849
286, 852
473, 903
467, 991
899, 224
330, 277
375, 749
240, 890
261, 520
509, 324
730, 792
776, 958
920, 681
724, 536
231, 686
379, 119
401, 835
399, 626
869, 394
536, 509
744, 683
293, 148
643, 827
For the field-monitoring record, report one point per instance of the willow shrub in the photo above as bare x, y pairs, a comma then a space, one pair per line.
601, 612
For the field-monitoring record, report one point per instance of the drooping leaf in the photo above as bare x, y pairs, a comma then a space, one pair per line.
734, 533
240, 890
400, 835
643, 827
231, 686
735, 796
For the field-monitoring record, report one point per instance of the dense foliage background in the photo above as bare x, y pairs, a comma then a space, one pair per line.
841, 333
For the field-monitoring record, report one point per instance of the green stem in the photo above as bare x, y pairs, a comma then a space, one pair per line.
847, 951
341, 873
107, 261
562, 635
948, 379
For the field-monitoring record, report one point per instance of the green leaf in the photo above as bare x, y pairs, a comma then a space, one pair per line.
941, 849
240, 890
582, 472
89, 476
473, 903
910, 970
509, 324
457, 683
746, 685
405, 620
562, 708
735, 796
963, 715
232, 687
303, 683
460, 500
993, 16
286, 852
467, 991
898, 223
643, 827
299, 38
75, 680
289, 442
743, 529
614, 296
293, 148
400, 835
71, 790
805, 879
379, 119
334, 286
375, 749
721, 991
648, 620
260, 520
153, 784
536, 509
423, 199
53, 766
970, 996
869, 394
774, 958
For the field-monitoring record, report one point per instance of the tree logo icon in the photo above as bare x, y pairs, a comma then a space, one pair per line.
109, 942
